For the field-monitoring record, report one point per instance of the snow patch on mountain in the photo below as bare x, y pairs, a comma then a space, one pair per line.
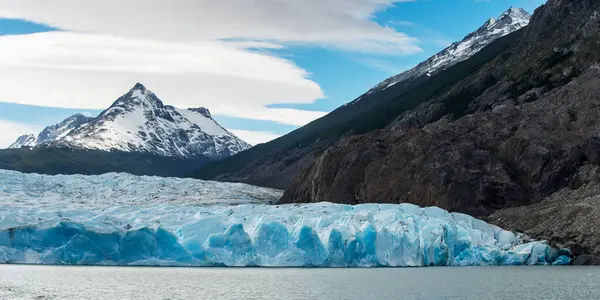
201, 117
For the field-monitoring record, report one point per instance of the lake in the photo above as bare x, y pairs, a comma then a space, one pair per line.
58, 282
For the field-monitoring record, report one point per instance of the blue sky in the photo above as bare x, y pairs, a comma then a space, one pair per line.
341, 72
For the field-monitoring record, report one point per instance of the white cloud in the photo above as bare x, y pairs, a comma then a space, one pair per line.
336, 23
10, 131
255, 137
189, 52
288, 116
90, 71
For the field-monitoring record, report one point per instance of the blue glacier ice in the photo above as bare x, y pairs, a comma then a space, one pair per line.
63, 228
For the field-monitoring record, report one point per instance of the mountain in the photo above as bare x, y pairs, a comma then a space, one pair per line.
52, 133
510, 134
139, 122
516, 140
137, 134
275, 164
509, 21
27, 140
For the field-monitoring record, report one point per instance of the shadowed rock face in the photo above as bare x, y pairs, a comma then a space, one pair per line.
523, 126
480, 163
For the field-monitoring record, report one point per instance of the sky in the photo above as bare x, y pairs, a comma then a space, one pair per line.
262, 67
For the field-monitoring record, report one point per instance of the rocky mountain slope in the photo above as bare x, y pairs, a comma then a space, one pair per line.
275, 164
509, 21
51, 133
521, 129
140, 122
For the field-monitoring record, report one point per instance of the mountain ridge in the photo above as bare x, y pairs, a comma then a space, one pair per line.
52, 132
140, 122
274, 164
509, 21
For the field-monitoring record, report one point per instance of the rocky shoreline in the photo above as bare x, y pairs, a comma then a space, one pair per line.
569, 218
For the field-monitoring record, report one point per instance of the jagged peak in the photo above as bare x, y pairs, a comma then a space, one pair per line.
201, 110
136, 96
25, 140
517, 13
77, 116
140, 92
139, 86
507, 17
29, 135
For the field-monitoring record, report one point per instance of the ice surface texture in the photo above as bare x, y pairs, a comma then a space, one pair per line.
63, 231
123, 189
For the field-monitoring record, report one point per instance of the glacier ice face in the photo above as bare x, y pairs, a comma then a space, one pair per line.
321, 234
57, 229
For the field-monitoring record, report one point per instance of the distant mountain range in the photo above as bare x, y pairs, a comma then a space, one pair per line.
140, 122
137, 134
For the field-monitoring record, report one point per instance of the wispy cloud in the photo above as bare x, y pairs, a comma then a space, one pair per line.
89, 71
382, 64
426, 35
344, 24
190, 52
255, 137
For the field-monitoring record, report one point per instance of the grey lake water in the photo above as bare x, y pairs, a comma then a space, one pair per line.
55, 282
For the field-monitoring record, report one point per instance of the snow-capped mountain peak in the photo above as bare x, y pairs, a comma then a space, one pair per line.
201, 110
52, 133
26, 140
509, 21
139, 122
518, 13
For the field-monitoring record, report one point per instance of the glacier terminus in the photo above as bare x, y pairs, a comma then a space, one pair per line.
222, 224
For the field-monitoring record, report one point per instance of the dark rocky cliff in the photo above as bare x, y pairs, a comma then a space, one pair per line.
524, 127
524, 119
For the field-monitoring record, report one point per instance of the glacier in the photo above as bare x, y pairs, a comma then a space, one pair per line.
71, 220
